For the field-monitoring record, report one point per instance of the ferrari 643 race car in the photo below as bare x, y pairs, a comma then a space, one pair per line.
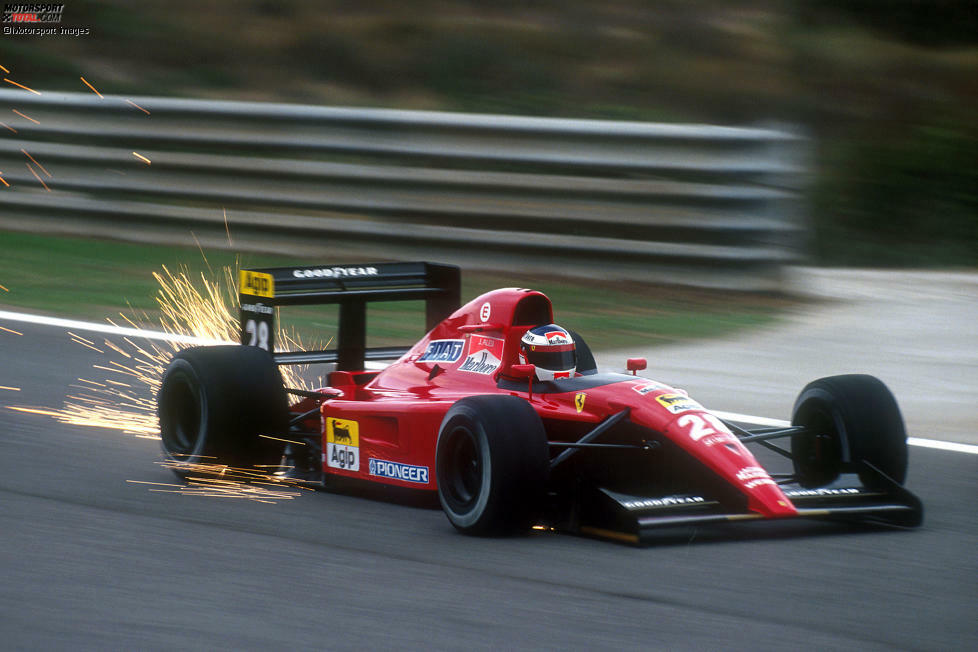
505, 416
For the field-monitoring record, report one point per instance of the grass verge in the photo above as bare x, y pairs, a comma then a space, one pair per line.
99, 279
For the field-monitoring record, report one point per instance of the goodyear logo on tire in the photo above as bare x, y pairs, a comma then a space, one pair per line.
343, 444
256, 284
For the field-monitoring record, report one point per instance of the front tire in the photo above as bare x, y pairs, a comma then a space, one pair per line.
214, 404
492, 464
849, 420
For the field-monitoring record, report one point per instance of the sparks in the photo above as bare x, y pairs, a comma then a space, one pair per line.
36, 163
141, 157
26, 117
79, 337
12, 389
137, 106
5, 70
124, 398
4, 289
4, 181
220, 481
90, 86
202, 254
37, 177
8, 127
287, 441
47, 413
10, 81
226, 228
9, 330
89, 346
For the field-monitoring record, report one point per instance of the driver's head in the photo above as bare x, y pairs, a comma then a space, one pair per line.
551, 349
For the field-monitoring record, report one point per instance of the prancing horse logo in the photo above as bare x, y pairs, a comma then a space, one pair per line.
579, 401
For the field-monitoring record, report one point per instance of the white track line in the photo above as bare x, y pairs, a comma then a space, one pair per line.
106, 328
913, 441
170, 337
943, 445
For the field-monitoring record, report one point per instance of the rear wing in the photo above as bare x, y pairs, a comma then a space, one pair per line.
261, 291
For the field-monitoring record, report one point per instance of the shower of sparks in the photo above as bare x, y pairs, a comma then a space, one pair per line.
124, 397
12, 389
8, 330
37, 177
220, 481
36, 163
137, 106
142, 158
4, 181
8, 127
4, 289
90, 86
5, 70
26, 117
10, 81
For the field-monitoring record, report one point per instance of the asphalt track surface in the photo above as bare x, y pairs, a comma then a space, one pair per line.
89, 560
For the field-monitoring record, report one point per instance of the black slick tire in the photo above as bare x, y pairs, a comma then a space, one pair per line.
492, 464
214, 404
849, 420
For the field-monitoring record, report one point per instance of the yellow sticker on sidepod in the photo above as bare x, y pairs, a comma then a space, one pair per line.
342, 431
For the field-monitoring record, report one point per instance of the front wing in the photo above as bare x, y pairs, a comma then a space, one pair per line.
633, 519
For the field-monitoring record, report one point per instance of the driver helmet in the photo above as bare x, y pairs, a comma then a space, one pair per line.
551, 349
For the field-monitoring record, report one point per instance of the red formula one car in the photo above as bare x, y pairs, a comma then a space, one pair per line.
504, 415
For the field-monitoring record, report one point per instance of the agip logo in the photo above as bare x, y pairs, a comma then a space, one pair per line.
343, 444
257, 284
677, 403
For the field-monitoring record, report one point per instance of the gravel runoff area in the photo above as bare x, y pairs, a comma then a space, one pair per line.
917, 331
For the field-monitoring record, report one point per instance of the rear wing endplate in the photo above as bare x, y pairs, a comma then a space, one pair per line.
261, 291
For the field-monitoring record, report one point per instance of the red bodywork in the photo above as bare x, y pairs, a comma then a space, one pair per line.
384, 426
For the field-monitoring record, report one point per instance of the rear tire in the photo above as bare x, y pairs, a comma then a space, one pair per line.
492, 465
214, 403
850, 419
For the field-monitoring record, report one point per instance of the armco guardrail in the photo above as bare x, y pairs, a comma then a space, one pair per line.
688, 204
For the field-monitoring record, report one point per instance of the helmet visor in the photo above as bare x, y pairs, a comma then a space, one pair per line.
553, 360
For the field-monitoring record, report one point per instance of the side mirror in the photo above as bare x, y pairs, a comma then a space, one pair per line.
636, 364
523, 371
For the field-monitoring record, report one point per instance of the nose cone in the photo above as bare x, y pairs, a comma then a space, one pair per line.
710, 441
764, 496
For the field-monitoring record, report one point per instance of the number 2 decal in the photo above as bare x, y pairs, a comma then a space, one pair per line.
701, 425
258, 332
